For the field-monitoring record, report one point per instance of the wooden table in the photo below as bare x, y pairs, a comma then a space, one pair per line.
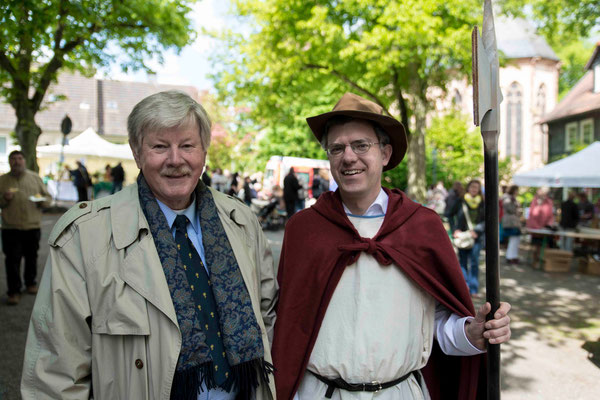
581, 233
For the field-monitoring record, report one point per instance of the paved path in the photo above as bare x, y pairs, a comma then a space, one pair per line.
554, 316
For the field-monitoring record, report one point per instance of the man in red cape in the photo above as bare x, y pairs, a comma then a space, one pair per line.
372, 301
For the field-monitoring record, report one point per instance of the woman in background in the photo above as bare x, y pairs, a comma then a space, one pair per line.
511, 224
470, 204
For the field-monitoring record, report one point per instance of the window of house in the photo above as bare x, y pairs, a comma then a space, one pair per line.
514, 117
571, 135
84, 106
587, 131
112, 105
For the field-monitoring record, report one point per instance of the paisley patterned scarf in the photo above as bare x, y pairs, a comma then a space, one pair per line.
241, 332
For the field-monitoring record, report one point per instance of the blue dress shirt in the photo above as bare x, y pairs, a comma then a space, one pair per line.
194, 232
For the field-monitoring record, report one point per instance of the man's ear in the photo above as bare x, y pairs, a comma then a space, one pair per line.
135, 155
386, 153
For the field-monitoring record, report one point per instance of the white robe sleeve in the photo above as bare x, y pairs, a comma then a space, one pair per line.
450, 333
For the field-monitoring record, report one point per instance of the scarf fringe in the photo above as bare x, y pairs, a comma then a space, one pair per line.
244, 378
187, 384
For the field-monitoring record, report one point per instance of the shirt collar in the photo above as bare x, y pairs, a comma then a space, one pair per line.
377, 209
189, 212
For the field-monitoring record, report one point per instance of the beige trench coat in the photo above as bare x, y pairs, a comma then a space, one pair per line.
104, 318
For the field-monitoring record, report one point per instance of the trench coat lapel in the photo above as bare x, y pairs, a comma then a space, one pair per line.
141, 268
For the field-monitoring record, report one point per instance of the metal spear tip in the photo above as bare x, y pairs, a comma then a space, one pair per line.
486, 89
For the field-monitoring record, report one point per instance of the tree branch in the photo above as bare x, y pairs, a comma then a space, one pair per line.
353, 84
60, 29
55, 64
7, 65
402, 105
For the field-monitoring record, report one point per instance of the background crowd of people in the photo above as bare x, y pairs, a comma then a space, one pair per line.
543, 211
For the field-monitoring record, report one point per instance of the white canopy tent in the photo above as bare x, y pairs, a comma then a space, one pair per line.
88, 143
581, 169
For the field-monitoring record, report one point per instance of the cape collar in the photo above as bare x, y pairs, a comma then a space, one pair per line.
399, 209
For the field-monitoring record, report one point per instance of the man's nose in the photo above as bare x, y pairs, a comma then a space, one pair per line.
174, 155
348, 155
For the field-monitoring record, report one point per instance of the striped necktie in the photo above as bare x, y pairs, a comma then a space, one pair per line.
206, 306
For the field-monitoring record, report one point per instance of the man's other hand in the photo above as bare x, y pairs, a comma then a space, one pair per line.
495, 331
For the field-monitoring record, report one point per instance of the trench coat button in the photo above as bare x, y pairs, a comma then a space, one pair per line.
139, 364
83, 205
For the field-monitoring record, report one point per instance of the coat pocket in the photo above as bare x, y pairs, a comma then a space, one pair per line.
121, 311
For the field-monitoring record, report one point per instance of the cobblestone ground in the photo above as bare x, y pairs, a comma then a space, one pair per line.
555, 317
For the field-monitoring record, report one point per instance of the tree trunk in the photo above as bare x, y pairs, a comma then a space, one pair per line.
28, 133
415, 159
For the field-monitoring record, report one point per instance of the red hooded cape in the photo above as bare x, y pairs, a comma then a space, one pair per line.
318, 245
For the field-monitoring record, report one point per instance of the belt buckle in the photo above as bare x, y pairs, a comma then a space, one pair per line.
378, 384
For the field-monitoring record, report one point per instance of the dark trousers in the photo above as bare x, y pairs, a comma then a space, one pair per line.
82, 193
290, 207
117, 186
18, 244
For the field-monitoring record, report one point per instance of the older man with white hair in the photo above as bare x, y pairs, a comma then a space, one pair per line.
164, 290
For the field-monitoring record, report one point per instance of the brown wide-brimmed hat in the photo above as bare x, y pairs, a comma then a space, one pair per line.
354, 106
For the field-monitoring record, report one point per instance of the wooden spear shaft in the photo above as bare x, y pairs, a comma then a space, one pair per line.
492, 274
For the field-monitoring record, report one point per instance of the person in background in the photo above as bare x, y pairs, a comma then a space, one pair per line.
206, 179
586, 210
118, 177
471, 203
107, 177
218, 180
290, 192
454, 194
22, 196
369, 278
164, 290
501, 237
249, 192
325, 178
569, 218
319, 185
511, 223
81, 180
437, 198
234, 184
541, 216
302, 192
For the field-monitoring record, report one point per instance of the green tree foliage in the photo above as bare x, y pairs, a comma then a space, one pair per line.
459, 149
38, 38
574, 56
458, 154
566, 25
558, 19
301, 56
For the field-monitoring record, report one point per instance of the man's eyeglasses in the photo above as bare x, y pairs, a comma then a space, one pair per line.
358, 147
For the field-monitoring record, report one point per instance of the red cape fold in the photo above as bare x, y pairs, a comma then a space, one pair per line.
318, 245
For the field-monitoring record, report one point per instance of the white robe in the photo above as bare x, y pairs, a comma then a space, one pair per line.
378, 326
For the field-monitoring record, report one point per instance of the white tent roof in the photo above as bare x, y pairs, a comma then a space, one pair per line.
88, 143
581, 169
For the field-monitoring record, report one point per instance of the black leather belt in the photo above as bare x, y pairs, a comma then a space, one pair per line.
374, 386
